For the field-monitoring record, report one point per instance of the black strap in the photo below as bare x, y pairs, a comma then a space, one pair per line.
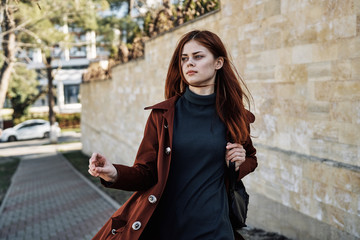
232, 175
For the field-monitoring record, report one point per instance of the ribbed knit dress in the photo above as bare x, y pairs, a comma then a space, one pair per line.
194, 203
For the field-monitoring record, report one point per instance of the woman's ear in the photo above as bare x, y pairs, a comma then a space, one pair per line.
219, 63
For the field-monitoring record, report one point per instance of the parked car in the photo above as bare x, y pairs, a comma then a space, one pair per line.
30, 129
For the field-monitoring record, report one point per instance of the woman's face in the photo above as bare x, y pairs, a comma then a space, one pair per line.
199, 67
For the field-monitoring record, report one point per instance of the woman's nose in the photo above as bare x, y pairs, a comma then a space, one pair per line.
190, 63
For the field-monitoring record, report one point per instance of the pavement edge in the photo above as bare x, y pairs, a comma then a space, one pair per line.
115, 204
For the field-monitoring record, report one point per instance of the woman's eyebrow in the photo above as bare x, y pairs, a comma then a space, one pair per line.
192, 53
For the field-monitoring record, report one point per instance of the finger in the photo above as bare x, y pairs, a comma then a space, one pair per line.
238, 159
233, 145
233, 155
100, 170
236, 151
93, 158
94, 174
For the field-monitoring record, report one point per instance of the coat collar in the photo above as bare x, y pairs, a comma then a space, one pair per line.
165, 105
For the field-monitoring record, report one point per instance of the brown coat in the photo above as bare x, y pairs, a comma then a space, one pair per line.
149, 174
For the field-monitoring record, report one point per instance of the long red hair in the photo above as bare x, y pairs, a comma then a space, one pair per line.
229, 93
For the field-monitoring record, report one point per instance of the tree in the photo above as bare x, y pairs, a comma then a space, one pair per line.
23, 91
40, 25
8, 45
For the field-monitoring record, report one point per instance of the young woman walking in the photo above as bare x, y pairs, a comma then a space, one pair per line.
180, 171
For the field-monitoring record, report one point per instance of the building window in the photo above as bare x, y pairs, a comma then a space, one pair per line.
71, 93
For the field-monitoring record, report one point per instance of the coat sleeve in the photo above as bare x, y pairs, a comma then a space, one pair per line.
250, 160
143, 174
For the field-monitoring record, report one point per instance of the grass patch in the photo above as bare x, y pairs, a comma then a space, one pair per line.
77, 130
8, 166
81, 162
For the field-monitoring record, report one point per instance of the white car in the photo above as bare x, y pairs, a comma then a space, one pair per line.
35, 128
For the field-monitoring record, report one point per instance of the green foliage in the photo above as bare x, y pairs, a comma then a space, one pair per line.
23, 83
117, 4
23, 90
43, 20
68, 120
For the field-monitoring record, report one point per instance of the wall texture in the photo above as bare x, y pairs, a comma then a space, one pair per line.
301, 61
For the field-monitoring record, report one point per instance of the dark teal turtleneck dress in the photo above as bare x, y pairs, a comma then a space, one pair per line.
194, 204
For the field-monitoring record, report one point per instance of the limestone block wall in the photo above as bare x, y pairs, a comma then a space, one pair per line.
301, 62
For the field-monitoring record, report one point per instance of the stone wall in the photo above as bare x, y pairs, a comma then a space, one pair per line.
301, 61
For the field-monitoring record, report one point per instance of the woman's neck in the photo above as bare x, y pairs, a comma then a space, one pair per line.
203, 90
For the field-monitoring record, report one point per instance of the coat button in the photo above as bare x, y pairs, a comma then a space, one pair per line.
113, 231
168, 150
152, 199
136, 225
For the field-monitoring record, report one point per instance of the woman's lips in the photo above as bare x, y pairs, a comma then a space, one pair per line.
190, 73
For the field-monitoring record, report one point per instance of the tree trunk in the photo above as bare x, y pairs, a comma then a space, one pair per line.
50, 91
130, 6
53, 134
8, 45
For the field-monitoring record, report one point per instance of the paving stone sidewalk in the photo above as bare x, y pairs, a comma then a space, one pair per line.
48, 199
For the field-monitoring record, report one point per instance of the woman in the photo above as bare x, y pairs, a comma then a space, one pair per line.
179, 173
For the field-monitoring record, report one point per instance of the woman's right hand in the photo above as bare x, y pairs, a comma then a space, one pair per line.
99, 166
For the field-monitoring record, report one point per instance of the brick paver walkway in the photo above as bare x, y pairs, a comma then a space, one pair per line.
47, 199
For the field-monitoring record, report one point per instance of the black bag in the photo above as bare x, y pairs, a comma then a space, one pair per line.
238, 199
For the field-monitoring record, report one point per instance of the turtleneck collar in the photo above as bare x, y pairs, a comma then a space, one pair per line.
199, 99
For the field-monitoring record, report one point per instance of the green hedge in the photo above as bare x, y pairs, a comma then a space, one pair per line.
65, 120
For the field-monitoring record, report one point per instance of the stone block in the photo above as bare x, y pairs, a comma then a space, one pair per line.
322, 192
356, 7
272, 40
346, 180
342, 199
349, 134
314, 11
337, 91
356, 109
271, 8
324, 31
318, 107
335, 216
302, 54
343, 153
342, 111
290, 6
319, 71
345, 27
318, 172
349, 48
355, 69
323, 52
325, 130
341, 70
286, 90
291, 73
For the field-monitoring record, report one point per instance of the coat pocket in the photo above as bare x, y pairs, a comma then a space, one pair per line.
118, 224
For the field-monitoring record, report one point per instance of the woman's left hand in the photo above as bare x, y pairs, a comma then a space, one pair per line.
235, 153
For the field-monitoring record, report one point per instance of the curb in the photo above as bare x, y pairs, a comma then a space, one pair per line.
115, 204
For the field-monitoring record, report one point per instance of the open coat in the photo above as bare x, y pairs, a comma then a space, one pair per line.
149, 174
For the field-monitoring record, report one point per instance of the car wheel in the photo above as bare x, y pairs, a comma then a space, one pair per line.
46, 135
12, 139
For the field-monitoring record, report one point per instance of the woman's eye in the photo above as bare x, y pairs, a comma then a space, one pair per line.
198, 56
184, 59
